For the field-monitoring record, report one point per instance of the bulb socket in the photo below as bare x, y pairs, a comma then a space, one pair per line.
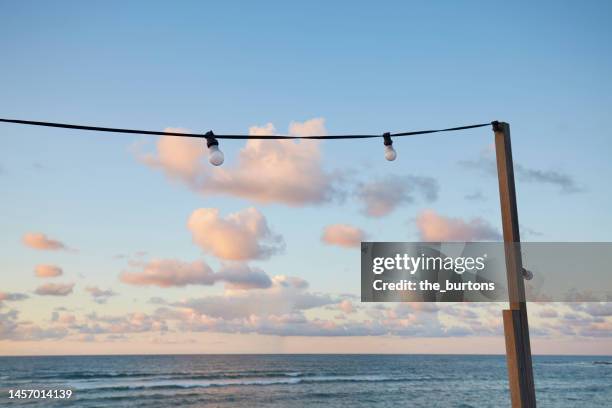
210, 139
387, 139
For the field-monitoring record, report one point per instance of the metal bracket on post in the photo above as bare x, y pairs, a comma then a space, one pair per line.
516, 326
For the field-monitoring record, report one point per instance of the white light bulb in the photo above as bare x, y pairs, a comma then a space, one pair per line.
390, 153
215, 155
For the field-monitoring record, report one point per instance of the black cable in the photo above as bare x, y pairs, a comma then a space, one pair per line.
422, 132
152, 132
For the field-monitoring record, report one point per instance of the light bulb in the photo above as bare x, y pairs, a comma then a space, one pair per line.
390, 153
215, 156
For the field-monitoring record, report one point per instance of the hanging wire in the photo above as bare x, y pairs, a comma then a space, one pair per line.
228, 136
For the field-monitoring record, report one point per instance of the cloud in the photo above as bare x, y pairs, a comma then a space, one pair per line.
63, 318
566, 183
188, 316
603, 329
291, 282
437, 228
8, 324
383, 196
135, 322
55, 289
48, 271
346, 306
181, 158
239, 236
241, 276
596, 309
298, 325
285, 295
281, 171
170, 272
157, 300
36, 240
280, 311
267, 171
11, 297
548, 313
11, 328
288, 308
343, 235
100, 295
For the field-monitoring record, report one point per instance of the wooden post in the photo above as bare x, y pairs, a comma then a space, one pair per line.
516, 326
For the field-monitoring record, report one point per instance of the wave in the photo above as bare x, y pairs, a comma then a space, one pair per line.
258, 381
90, 375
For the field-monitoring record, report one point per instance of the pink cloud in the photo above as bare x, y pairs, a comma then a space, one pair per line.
63, 318
135, 322
346, 306
267, 171
284, 171
181, 158
170, 272
437, 228
55, 289
343, 235
40, 241
48, 271
239, 236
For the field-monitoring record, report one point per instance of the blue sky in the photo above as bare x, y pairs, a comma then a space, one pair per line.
364, 67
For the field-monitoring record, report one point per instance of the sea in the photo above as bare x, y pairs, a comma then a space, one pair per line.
300, 381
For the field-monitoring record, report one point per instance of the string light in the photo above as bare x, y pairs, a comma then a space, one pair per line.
216, 156
390, 153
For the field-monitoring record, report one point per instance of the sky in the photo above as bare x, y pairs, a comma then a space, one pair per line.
113, 243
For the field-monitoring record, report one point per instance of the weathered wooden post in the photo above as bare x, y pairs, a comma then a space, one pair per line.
516, 326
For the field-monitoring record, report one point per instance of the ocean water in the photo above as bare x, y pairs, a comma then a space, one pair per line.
301, 381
